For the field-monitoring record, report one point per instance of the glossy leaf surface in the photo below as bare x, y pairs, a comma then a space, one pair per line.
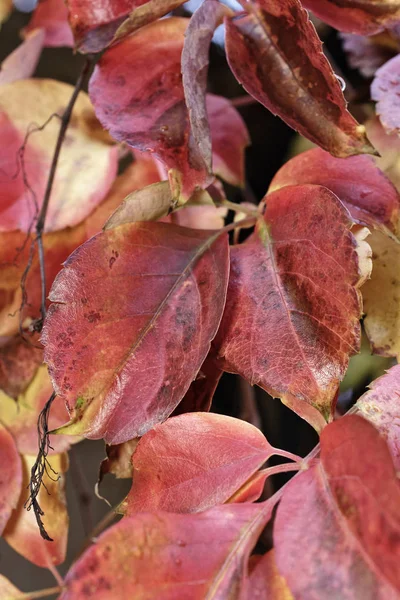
365, 190
385, 90
86, 168
348, 519
165, 556
148, 111
10, 476
275, 53
293, 308
381, 406
193, 462
52, 17
356, 16
149, 297
22, 532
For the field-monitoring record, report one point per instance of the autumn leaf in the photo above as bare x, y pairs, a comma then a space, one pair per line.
199, 216
8, 591
385, 91
293, 307
147, 204
11, 476
367, 54
275, 53
21, 416
348, 519
166, 555
195, 61
356, 16
52, 17
112, 20
118, 461
86, 167
388, 146
149, 297
364, 189
19, 360
265, 581
201, 391
194, 461
22, 62
22, 532
148, 112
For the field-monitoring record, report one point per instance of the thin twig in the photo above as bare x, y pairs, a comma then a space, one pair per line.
40, 223
243, 101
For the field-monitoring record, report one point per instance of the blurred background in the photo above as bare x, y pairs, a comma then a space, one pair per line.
272, 143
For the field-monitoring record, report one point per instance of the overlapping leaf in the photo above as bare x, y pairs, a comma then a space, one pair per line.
356, 16
148, 298
200, 394
381, 406
22, 532
86, 168
165, 555
385, 90
148, 111
10, 476
293, 307
348, 519
21, 63
265, 581
193, 462
52, 17
365, 190
113, 20
275, 53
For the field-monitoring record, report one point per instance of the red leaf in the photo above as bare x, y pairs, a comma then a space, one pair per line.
385, 90
265, 581
380, 405
195, 63
356, 16
52, 17
21, 417
165, 556
22, 62
275, 53
22, 532
148, 111
10, 476
348, 519
93, 163
112, 20
149, 298
193, 462
229, 137
365, 190
19, 361
200, 394
293, 308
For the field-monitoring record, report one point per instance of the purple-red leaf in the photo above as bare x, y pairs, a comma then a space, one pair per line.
52, 17
148, 111
345, 510
193, 462
136, 308
381, 406
368, 194
293, 307
166, 556
200, 394
356, 16
275, 53
367, 54
10, 476
265, 582
195, 63
385, 90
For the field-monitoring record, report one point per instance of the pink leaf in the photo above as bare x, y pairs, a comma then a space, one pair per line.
346, 512
385, 90
293, 308
52, 17
22, 62
165, 556
275, 53
365, 190
265, 581
193, 462
10, 476
149, 297
148, 111
200, 394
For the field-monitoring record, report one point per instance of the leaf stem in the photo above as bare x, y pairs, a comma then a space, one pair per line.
285, 468
289, 455
245, 100
40, 223
39, 594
